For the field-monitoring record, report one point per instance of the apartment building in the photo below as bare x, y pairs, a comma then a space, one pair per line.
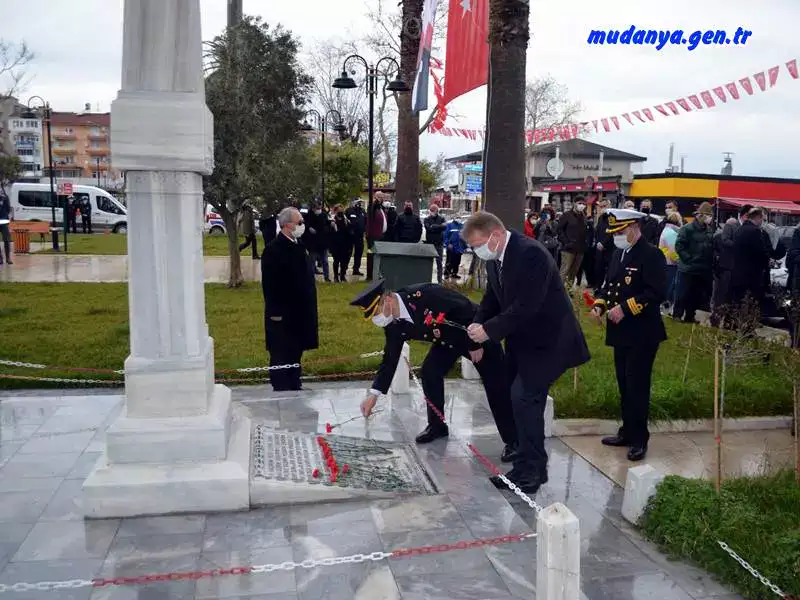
81, 150
26, 142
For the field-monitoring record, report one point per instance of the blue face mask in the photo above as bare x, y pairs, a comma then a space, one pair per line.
545, 217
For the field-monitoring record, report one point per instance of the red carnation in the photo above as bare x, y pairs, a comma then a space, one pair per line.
315, 473
440, 318
328, 427
345, 468
429, 319
588, 299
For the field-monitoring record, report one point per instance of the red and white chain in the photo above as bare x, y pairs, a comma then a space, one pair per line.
45, 586
486, 462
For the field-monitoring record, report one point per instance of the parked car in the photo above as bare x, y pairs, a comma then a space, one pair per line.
32, 202
215, 227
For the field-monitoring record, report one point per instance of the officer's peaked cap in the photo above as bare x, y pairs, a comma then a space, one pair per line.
620, 218
368, 299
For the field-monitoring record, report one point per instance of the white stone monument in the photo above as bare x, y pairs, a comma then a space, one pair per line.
175, 447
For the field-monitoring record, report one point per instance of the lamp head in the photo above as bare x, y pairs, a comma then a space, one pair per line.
344, 82
398, 85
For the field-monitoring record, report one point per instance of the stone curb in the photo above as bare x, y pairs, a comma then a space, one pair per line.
576, 427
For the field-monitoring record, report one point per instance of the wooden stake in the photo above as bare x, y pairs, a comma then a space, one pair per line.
716, 418
688, 354
575, 379
796, 399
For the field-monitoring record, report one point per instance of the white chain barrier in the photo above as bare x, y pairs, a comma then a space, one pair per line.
747, 567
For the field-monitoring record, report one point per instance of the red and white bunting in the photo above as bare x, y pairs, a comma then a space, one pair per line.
702, 100
761, 80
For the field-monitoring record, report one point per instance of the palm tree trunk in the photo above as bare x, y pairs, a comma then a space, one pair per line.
407, 178
504, 166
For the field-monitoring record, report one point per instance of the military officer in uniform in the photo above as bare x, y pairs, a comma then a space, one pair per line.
630, 300
436, 314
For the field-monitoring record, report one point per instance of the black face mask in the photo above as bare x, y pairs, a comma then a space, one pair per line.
646, 210
409, 211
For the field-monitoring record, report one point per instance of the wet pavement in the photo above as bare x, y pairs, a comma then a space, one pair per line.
50, 440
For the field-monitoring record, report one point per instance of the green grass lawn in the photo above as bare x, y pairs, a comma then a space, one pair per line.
117, 244
759, 518
86, 325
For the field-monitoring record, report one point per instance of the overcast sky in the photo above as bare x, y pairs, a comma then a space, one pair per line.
78, 46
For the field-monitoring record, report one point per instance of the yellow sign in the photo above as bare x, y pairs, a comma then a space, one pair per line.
381, 178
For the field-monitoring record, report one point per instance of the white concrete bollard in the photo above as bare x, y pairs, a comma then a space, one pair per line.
468, 370
400, 383
558, 554
549, 415
640, 486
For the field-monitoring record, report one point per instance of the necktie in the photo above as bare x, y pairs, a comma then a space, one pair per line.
500, 274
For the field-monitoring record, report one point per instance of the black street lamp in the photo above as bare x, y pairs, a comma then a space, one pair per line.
345, 82
322, 124
48, 113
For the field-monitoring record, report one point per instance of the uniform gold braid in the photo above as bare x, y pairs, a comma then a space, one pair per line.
370, 311
634, 306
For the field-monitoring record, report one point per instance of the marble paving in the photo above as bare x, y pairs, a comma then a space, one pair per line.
694, 454
48, 444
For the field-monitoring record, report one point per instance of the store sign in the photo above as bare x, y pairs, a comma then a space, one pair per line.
473, 179
594, 168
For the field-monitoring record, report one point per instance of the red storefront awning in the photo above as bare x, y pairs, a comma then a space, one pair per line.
779, 206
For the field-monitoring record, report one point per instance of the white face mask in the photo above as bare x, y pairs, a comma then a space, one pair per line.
381, 320
580, 208
299, 230
484, 253
621, 241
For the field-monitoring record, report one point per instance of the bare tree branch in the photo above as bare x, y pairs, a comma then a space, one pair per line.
13, 62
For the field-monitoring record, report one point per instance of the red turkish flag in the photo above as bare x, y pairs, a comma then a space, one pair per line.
695, 100
792, 67
672, 107
627, 118
761, 80
574, 129
595, 125
720, 93
683, 104
662, 110
467, 61
605, 125
615, 121
732, 90
773, 75
706, 96
638, 115
648, 113
748, 87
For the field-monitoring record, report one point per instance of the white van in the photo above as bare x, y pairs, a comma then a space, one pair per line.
31, 202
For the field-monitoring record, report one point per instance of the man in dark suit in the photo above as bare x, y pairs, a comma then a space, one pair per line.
527, 306
631, 298
290, 301
751, 255
436, 314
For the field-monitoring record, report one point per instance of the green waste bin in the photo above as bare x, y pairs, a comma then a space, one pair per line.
404, 264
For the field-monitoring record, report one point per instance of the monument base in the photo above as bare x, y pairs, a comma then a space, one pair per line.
169, 468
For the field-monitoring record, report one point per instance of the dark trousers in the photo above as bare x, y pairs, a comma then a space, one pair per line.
692, 294
5, 233
283, 350
672, 272
439, 252
73, 223
634, 367
370, 258
528, 405
340, 261
586, 269
250, 240
438, 363
320, 258
453, 263
720, 295
358, 252
86, 223
602, 258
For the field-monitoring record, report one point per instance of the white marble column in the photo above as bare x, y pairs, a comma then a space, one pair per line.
175, 447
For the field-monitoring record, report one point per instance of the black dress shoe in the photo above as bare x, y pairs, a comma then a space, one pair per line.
528, 484
431, 433
615, 440
637, 453
508, 453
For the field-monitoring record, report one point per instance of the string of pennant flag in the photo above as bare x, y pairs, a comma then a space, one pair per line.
706, 99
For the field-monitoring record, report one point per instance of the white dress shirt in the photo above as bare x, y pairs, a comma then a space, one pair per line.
404, 316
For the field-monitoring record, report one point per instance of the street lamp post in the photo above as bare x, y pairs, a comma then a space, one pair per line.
48, 113
345, 82
322, 123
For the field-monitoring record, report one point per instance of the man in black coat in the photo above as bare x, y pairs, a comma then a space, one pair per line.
527, 306
631, 298
603, 243
751, 257
434, 234
650, 227
290, 301
432, 313
408, 228
317, 238
358, 221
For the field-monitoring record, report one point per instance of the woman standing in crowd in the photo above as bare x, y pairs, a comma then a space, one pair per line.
545, 231
341, 243
530, 224
376, 227
666, 243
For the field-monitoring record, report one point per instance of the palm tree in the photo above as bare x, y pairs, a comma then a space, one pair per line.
504, 162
